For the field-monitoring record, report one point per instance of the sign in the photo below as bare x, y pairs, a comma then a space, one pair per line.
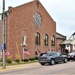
3, 47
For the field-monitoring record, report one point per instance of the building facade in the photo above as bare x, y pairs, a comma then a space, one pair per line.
59, 39
0, 38
29, 27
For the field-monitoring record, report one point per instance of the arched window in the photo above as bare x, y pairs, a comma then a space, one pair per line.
46, 40
53, 40
37, 39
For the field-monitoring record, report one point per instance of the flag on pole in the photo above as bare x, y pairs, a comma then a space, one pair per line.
38, 52
25, 51
59, 50
1, 53
7, 53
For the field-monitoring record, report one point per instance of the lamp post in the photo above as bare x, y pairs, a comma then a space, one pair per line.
3, 36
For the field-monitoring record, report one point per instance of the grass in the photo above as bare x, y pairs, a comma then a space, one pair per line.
16, 63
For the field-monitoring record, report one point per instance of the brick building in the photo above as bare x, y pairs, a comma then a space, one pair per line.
59, 39
0, 31
29, 26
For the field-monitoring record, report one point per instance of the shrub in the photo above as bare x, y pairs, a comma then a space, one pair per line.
31, 59
36, 58
17, 60
0, 60
25, 60
8, 61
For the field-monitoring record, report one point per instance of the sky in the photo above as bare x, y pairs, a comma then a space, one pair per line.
62, 12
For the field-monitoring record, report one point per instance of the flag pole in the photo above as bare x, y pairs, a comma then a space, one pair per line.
23, 54
18, 51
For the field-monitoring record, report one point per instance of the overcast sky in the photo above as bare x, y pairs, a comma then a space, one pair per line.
62, 11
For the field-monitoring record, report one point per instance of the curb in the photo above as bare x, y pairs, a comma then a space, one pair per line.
16, 67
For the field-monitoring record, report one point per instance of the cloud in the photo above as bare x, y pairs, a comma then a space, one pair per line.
63, 12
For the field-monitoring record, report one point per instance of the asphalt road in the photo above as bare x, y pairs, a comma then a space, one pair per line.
37, 69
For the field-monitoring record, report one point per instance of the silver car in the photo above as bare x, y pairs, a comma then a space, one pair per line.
71, 56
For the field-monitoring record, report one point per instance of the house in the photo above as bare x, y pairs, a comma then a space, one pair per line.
68, 44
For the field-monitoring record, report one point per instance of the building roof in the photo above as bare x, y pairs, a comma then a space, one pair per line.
73, 33
70, 41
60, 36
66, 42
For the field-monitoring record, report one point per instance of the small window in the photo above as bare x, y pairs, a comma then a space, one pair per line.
53, 40
37, 39
46, 40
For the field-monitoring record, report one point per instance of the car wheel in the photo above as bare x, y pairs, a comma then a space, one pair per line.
65, 60
42, 63
74, 58
52, 62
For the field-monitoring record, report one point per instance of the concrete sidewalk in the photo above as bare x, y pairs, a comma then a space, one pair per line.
21, 66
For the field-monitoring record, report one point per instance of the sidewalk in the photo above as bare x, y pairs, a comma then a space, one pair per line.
14, 67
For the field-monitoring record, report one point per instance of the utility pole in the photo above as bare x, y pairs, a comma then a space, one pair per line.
3, 36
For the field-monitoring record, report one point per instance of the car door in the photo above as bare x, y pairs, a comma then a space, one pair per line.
59, 57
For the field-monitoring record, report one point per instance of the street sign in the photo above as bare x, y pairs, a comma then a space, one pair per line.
3, 47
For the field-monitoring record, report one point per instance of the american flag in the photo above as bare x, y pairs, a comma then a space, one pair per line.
7, 53
25, 51
38, 52
59, 50
0, 53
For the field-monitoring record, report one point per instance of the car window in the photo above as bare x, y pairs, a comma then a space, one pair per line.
52, 53
58, 54
43, 54
49, 54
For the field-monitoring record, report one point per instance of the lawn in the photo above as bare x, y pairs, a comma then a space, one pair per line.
17, 63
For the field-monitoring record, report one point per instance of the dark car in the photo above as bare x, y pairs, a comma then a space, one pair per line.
52, 58
71, 56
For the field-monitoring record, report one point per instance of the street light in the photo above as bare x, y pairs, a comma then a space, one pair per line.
3, 36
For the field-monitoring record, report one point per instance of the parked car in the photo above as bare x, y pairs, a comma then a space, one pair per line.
52, 58
71, 56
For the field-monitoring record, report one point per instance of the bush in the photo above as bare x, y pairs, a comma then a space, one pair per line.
36, 58
31, 59
17, 60
8, 61
25, 60
0, 60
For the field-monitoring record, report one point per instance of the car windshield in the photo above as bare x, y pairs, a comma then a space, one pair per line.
48, 54
43, 54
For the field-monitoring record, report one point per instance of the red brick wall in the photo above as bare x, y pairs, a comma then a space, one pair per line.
58, 41
0, 32
21, 19
0, 36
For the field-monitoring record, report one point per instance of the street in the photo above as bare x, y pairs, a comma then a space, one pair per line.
37, 69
